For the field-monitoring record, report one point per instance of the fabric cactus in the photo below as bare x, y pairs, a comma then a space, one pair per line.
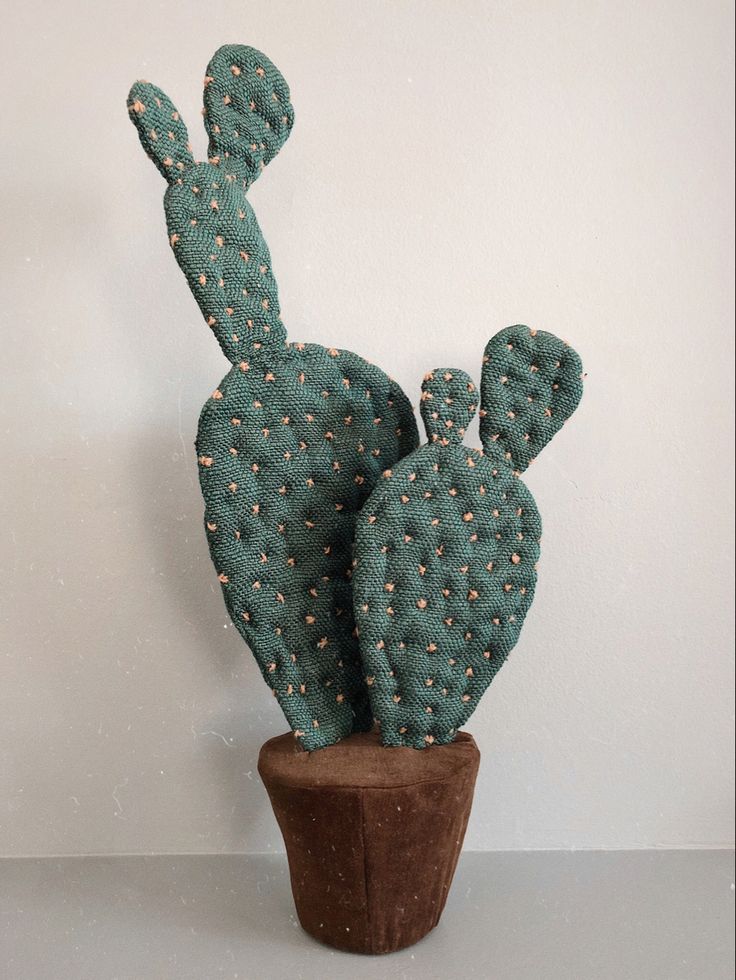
447, 544
295, 436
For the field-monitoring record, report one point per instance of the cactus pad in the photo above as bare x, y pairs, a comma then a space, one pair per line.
295, 436
448, 542
530, 385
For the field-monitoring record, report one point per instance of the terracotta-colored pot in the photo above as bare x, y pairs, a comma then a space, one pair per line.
372, 834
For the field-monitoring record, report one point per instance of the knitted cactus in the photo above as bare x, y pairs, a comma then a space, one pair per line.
447, 544
295, 436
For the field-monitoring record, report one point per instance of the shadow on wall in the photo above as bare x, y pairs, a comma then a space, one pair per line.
135, 718
224, 703
240, 713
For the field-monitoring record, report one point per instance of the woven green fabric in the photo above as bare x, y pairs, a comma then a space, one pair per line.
295, 436
447, 544
531, 384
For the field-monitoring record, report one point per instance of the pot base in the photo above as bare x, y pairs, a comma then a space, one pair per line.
372, 834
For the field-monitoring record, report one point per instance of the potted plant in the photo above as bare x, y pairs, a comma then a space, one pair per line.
379, 584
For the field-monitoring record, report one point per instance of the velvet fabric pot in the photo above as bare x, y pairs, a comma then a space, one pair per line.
372, 834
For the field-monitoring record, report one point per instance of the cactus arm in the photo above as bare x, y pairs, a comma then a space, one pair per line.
248, 111
212, 228
161, 129
448, 404
530, 385
220, 248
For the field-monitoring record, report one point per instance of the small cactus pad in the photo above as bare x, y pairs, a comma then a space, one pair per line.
295, 437
248, 112
161, 129
445, 570
531, 384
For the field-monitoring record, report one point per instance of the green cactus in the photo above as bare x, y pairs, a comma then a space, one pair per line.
447, 544
295, 436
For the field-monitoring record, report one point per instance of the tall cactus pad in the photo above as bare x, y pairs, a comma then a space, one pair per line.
295, 436
446, 554
288, 452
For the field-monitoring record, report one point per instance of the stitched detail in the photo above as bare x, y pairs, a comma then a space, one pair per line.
363, 838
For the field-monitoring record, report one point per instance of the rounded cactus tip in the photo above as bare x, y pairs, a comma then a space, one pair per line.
448, 403
161, 129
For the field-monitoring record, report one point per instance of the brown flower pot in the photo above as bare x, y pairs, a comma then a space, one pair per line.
372, 834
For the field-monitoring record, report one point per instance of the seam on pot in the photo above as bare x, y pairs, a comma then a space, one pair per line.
365, 870
316, 787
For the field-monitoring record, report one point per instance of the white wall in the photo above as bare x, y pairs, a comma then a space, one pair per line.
455, 167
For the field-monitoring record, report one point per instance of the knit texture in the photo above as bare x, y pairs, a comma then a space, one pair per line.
531, 384
447, 544
295, 436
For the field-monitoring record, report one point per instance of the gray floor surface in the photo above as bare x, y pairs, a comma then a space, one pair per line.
622, 915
